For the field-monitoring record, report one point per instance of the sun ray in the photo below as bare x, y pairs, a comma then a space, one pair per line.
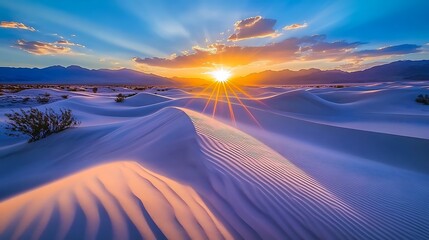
210, 98
215, 103
244, 106
231, 111
247, 95
200, 94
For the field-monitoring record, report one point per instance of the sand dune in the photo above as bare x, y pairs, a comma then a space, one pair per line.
157, 167
117, 200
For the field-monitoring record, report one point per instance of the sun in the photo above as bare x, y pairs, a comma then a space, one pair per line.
221, 75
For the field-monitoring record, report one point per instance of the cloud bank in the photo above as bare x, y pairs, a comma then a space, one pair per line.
17, 25
42, 48
305, 48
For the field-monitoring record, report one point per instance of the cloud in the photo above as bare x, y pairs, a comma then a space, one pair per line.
305, 48
42, 48
221, 54
254, 27
5, 24
67, 43
390, 50
295, 26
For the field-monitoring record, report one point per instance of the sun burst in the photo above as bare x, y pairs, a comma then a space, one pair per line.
221, 75
223, 93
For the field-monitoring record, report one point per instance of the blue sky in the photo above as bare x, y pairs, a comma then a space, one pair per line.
176, 37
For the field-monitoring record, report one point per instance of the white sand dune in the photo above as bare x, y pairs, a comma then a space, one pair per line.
145, 99
156, 167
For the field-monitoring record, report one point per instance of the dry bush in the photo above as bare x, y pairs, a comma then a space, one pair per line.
38, 124
120, 98
423, 99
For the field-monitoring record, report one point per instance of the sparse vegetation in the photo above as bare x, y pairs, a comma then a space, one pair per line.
120, 98
26, 99
43, 99
38, 124
65, 96
162, 89
424, 99
94, 90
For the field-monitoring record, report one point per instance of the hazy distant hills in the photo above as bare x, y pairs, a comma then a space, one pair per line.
79, 75
395, 71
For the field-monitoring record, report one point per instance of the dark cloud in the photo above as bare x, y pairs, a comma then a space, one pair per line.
391, 50
5, 24
42, 48
304, 48
254, 27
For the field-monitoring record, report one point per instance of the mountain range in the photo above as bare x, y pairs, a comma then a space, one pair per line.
395, 71
79, 75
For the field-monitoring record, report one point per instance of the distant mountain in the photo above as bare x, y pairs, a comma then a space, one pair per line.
79, 75
395, 71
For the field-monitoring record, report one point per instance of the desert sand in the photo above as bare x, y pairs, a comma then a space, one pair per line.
279, 163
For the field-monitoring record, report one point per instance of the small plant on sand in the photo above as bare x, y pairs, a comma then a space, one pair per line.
94, 90
25, 100
120, 98
43, 99
65, 96
423, 99
38, 124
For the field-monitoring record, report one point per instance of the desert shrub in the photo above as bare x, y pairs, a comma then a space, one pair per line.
162, 89
25, 100
94, 90
140, 88
120, 98
424, 99
45, 98
65, 96
37, 124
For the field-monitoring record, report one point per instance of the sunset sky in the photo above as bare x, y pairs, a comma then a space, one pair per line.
190, 38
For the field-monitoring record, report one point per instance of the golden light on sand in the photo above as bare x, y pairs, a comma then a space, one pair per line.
221, 75
221, 90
